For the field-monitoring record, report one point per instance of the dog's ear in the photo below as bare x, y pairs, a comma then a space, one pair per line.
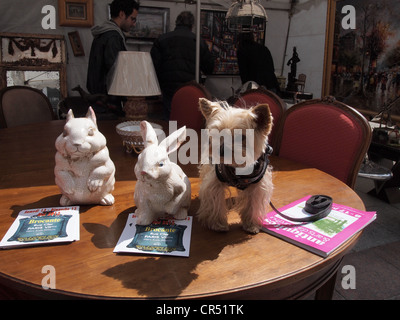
263, 118
207, 107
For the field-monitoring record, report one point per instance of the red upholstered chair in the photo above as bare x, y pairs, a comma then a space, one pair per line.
327, 135
253, 97
21, 105
185, 105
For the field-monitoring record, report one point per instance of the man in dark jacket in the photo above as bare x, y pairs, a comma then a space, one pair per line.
256, 63
109, 40
174, 58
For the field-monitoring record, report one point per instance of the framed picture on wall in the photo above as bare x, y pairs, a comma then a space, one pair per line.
76, 43
35, 60
362, 62
75, 13
222, 41
151, 22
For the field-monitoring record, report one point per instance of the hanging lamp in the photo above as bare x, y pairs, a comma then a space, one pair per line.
246, 16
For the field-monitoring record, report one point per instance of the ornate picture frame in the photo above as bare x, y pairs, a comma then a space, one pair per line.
34, 60
75, 13
362, 66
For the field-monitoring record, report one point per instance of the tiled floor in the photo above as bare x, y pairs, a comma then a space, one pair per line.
376, 256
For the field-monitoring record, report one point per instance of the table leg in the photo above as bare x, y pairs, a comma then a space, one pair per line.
326, 291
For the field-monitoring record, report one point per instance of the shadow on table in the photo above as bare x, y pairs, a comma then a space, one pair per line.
168, 276
165, 276
46, 202
107, 237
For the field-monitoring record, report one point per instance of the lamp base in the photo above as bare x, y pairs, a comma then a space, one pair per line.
136, 108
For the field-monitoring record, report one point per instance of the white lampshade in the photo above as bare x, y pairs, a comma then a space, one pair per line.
133, 75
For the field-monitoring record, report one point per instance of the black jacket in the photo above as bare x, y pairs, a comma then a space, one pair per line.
107, 43
174, 58
256, 64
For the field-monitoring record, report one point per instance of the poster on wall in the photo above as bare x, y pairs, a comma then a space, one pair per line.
222, 41
365, 70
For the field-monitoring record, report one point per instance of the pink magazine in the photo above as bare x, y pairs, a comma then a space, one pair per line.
322, 236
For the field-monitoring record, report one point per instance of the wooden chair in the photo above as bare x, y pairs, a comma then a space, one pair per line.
277, 107
185, 105
21, 105
327, 135
301, 81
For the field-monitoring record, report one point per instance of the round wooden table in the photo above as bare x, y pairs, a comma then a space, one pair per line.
231, 265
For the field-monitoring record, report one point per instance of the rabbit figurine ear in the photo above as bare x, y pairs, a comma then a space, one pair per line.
91, 115
174, 140
70, 115
148, 134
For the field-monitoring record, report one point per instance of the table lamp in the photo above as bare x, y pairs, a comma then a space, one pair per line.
133, 76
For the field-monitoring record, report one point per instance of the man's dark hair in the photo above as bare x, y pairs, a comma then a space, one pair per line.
127, 6
186, 19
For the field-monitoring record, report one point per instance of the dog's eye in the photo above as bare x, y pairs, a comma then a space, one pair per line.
91, 132
161, 164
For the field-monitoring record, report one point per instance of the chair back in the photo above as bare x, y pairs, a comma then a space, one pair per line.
185, 105
21, 105
302, 77
301, 81
327, 135
253, 97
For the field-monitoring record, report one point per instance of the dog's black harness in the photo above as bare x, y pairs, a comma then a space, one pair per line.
227, 174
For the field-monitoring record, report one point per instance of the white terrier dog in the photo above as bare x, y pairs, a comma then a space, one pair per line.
252, 175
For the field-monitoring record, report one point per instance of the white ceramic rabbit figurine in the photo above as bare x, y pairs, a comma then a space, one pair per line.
84, 171
162, 186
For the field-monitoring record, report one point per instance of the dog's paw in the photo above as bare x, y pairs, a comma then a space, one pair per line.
251, 228
216, 222
219, 227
